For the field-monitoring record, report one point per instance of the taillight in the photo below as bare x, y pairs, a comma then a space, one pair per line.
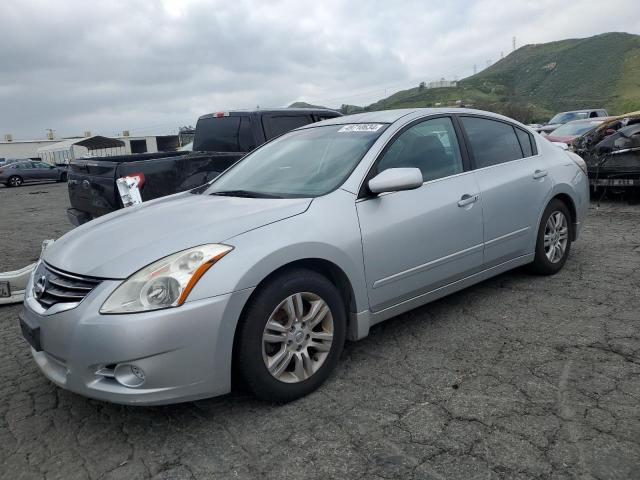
221, 114
577, 159
139, 176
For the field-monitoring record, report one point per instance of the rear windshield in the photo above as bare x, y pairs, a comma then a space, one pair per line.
224, 134
568, 117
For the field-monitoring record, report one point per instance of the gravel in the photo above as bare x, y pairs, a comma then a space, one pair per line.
518, 377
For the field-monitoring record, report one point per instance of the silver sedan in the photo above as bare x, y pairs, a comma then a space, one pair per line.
307, 241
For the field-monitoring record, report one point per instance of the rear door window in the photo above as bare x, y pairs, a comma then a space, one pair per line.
276, 125
224, 134
491, 142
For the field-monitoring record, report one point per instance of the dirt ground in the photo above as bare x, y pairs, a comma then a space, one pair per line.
518, 377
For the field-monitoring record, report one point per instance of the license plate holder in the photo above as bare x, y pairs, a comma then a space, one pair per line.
30, 333
5, 289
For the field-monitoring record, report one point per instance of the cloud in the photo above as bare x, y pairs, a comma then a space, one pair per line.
151, 66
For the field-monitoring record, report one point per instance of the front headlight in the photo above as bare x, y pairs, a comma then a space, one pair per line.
165, 283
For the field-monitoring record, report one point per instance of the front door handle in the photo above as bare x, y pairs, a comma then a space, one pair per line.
467, 199
539, 174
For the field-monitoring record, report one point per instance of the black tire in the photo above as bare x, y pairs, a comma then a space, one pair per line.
542, 265
14, 181
249, 336
63, 177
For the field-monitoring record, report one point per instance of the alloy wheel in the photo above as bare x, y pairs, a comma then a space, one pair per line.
297, 337
556, 236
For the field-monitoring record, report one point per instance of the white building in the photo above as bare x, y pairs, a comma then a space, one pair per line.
75, 149
442, 83
63, 152
23, 149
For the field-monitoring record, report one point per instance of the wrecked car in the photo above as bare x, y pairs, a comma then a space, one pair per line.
568, 132
612, 152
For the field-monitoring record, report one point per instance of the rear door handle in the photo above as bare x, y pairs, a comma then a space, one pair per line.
467, 199
539, 174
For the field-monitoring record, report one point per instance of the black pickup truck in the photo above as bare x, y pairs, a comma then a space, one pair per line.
220, 140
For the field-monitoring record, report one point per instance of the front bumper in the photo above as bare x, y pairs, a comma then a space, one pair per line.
184, 352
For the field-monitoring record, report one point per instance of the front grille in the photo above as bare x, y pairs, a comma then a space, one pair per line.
60, 287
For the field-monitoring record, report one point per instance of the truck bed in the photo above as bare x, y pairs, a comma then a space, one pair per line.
93, 191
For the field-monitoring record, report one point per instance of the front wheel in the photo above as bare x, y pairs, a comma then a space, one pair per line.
291, 336
554, 239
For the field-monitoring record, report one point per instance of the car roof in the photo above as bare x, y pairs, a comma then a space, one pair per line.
271, 110
391, 116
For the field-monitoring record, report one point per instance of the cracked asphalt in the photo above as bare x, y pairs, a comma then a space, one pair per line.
518, 377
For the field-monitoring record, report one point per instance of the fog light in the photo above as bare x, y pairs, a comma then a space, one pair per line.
129, 375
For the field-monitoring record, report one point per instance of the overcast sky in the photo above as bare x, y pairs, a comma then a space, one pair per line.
149, 67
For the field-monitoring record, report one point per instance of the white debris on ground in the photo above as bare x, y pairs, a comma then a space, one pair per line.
14, 283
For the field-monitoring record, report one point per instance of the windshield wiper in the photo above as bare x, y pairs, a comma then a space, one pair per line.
244, 194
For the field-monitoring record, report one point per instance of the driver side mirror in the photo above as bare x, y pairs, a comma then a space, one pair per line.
395, 180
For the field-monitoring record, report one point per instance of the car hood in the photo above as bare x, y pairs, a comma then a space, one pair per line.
121, 243
549, 127
560, 138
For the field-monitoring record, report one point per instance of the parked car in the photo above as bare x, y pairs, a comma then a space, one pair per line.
220, 140
16, 173
568, 132
565, 117
612, 152
310, 239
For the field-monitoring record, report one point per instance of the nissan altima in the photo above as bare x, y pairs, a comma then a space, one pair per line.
306, 242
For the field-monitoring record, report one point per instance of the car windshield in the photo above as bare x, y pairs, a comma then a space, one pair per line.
568, 117
303, 163
574, 129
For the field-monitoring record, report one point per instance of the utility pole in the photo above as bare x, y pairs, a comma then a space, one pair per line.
513, 41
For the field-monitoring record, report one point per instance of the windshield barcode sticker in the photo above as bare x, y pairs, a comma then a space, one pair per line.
361, 127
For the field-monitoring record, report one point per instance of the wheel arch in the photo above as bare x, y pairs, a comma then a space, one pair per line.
334, 273
329, 270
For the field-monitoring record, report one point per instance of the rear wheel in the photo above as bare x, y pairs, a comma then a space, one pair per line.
14, 181
291, 336
554, 239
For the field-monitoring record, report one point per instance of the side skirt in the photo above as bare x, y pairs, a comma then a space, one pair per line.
363, 323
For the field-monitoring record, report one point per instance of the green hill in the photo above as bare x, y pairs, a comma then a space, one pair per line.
535, 81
